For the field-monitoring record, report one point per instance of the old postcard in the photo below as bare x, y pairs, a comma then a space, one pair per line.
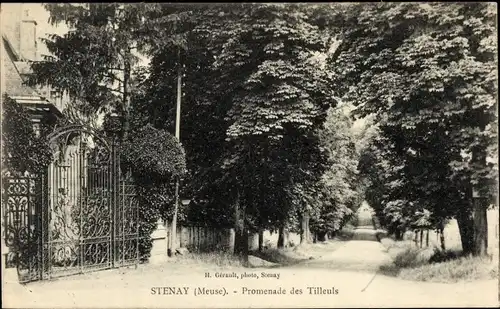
236, 155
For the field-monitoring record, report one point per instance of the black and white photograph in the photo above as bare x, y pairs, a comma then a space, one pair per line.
249, 155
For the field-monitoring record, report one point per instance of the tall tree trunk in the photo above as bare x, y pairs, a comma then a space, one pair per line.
173, 224
398, 234
480, 227
305, 232
172, 248
126, 96
427, 239
466, 228
281, 236
261, 240
479, 204
240, 232
441, 237
126, 124
421, 237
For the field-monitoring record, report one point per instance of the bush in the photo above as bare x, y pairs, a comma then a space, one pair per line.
148, 218
154, 154
22, 149
155, 158
440, 256
155, 202
411, 257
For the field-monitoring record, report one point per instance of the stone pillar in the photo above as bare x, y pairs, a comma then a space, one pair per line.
231, 239
253, 241
160, 243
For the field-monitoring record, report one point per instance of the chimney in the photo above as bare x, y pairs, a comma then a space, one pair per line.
28, 39
10, 23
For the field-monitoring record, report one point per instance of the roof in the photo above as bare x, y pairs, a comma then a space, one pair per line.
12, 71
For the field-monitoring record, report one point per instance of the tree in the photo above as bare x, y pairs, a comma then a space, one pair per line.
159, 89
262, 114
280, 98
427, 71
339, 195
93, 63
97, 62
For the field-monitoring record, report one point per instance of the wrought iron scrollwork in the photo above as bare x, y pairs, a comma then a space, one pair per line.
21, 199
81, 215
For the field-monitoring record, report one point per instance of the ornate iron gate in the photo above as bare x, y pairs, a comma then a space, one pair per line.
81, 216
22, 200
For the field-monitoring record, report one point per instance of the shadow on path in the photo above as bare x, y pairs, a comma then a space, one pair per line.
362, 253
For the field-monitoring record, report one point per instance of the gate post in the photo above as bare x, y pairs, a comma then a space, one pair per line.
42, 226
113, 201
9, 273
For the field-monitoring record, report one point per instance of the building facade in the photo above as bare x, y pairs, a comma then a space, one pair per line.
19, 46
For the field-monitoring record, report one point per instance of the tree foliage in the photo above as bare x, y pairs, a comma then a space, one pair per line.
427, 72
95, 62
339, 195
278, 98
22, 149
155, 158
154, 154
263, 140
245, 68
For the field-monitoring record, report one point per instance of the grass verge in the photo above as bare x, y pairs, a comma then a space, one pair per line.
219, 259
435, 265
460, 269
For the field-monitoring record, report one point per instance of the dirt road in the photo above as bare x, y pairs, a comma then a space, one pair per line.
347, 277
